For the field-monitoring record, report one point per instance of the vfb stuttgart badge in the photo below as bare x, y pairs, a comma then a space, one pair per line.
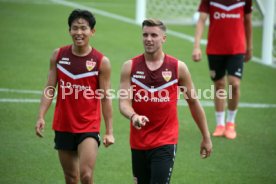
90, 64
167, 75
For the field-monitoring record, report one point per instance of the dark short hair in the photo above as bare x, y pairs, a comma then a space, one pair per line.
84, 14
154, 22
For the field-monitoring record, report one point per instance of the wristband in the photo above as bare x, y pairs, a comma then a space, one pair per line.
132, 116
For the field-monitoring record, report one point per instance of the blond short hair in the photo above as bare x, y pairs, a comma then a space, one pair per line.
154, 22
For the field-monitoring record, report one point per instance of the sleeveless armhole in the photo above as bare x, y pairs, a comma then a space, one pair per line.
178, 75
177, 70
132, 66
99, 56
134, 60
100, 61
248, 7
58, 55
204, 6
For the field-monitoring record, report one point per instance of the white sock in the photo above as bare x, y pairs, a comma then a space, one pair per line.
231, 115
220, 118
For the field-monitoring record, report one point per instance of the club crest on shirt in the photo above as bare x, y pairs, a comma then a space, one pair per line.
167, 75
90, 64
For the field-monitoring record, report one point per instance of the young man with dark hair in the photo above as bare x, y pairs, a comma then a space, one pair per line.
78, 71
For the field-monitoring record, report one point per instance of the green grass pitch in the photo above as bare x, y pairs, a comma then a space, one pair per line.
31, 29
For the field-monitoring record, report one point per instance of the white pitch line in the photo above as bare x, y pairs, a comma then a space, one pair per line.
96, 11
7, 90
241, 104
181, 102
19, 100
26, 1
122, 18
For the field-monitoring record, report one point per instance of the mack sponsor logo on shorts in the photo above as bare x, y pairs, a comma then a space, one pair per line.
238, 73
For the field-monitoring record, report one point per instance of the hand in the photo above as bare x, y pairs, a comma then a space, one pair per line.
139, 121
108, 140
197, 54
206, 148
39, 127
248, 55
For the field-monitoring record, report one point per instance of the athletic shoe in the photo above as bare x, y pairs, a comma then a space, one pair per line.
219, 132
230, 132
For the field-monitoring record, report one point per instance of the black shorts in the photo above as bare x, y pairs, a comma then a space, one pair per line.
153, 166
220, 64
70, 141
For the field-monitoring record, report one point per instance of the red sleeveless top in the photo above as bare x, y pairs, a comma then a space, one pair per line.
78, 108
226, 30
155, 96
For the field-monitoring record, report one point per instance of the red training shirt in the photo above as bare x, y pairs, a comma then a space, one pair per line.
155, 96
78, 106
226, 31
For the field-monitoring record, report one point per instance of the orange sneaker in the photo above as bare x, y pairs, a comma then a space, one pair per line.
219, 131
230, 132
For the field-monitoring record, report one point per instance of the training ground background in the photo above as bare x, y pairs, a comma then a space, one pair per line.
29, 32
